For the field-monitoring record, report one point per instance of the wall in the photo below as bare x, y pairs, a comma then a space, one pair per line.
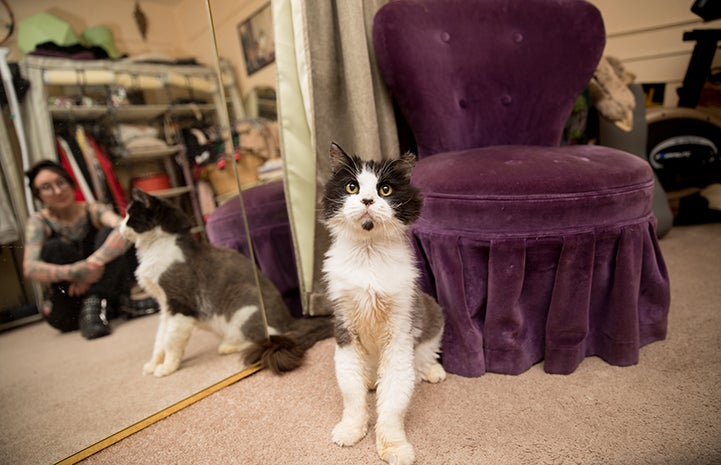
117, 15
227, 15
646, 35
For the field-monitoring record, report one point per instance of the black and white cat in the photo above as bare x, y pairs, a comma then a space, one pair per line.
388, 332
198, 284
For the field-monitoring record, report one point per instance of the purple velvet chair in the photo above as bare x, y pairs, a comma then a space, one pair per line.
270, 232
536, 251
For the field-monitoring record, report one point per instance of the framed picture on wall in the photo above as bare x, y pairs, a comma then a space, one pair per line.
257, 39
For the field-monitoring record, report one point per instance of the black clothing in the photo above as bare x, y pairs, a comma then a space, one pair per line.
116, 280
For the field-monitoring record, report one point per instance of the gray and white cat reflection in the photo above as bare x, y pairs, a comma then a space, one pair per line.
198, 284
388, 332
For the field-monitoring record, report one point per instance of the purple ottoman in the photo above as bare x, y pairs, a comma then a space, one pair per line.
270, 233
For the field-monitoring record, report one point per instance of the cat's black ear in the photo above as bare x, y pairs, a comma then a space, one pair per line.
409, 159
338, 158
405, 164
140, 196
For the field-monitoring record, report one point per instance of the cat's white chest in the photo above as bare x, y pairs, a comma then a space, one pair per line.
384, 271
372, 290
155, 257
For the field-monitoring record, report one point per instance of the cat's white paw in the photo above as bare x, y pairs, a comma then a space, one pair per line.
165, 369
398, 453
149, 368
435, 373
347, 434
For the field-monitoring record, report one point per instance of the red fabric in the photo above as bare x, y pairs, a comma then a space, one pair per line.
66, 164
116, 188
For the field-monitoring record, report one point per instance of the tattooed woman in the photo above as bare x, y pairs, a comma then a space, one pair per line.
74, 247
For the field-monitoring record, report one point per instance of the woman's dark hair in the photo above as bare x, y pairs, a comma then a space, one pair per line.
47, 165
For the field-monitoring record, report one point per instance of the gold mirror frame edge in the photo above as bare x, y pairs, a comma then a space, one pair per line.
156, 417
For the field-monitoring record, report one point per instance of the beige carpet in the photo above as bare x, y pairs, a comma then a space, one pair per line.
665, 410
61, 393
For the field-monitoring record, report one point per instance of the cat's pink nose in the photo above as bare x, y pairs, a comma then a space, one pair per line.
367, 201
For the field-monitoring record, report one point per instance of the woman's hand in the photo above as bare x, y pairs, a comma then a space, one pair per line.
84, 273
87, 271
78, 288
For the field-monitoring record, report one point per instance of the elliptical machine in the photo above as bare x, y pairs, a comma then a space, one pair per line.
683, 143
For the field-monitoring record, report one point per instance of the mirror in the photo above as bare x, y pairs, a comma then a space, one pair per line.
77, 395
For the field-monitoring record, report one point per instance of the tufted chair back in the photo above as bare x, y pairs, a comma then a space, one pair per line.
494, 72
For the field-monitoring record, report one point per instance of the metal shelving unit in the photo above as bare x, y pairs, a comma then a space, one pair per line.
66, 91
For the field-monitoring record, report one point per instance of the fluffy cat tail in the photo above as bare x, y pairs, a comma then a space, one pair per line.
282, 353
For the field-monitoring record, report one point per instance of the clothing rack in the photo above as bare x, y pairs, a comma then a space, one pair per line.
160, 86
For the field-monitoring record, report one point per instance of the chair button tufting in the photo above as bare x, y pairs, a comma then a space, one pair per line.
506, 99
462, 103
517, 37
445, 37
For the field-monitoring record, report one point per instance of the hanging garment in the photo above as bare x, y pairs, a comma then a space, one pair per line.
97, 177
75, 171
63, 159
116, 188
77, 155
9, 231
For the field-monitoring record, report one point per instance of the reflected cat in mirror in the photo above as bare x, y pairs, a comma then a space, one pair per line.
198, 284
388, 332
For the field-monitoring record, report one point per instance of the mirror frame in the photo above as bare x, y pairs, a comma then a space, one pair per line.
156, 417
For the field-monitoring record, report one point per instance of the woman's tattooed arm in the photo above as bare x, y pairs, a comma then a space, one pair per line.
115, 244
34, 268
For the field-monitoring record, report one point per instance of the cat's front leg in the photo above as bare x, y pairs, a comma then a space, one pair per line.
395, 389
352, 380
177, 333
158, 355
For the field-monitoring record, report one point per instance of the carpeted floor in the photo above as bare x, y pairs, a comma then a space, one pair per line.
61, 393
665, 410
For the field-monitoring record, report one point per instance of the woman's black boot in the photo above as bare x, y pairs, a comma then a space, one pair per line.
93, 317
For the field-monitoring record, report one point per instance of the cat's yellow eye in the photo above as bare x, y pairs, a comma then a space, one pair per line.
385, 190
351, 188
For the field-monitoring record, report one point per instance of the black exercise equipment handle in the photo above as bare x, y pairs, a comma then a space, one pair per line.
698, 68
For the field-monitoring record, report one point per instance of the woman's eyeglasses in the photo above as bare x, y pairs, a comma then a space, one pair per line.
48, 187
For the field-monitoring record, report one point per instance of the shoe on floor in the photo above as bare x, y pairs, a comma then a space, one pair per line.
93, 318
